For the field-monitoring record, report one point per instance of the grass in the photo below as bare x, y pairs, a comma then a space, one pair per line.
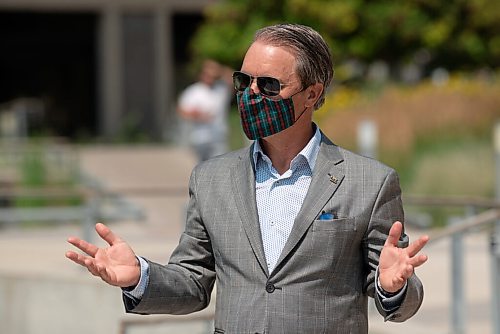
458, 167
37, 172
450, 168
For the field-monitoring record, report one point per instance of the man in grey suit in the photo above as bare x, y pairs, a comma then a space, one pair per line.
296, 231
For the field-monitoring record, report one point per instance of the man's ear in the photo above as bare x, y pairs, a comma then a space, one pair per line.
314, 92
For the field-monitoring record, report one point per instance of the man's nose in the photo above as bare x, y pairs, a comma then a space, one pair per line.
253, 85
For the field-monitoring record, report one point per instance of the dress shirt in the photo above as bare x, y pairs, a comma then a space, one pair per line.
280, 197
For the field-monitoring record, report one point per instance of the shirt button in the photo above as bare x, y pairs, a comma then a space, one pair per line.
272, 223
270, 287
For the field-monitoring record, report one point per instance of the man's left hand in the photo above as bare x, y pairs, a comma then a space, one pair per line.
398, 264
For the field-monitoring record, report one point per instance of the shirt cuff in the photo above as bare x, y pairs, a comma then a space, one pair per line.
137, 292
389, 302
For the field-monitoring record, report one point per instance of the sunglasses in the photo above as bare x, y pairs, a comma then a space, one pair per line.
268, 86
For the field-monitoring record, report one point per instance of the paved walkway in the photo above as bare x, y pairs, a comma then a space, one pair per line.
40, 253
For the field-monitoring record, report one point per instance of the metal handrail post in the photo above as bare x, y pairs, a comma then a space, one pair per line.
495, 279
90, 219
457, 283
495, 240
93, 213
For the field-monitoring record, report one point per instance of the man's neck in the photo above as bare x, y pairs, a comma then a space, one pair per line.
284, 146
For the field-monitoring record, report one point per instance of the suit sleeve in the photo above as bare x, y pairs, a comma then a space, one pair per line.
185, 284
387, 209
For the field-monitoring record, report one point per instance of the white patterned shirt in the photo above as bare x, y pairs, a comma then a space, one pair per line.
280, 197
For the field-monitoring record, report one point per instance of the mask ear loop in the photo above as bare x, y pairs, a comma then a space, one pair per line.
305, 107
302, 113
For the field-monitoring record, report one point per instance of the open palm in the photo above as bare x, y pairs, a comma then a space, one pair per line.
115, 264
396, 264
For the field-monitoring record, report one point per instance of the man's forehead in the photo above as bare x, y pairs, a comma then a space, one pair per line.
264, 59
271, 49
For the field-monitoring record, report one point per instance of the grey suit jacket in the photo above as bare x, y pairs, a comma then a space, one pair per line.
326, 271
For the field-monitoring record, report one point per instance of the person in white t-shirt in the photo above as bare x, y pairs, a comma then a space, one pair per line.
204, 106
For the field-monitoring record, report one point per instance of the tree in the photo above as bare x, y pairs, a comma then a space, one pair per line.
454, 34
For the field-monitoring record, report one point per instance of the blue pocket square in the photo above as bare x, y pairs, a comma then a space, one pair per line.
326, 216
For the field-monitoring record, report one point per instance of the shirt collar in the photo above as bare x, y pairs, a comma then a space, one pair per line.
309, 152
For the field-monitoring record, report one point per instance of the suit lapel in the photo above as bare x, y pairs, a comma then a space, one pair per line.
328, 174
243, 182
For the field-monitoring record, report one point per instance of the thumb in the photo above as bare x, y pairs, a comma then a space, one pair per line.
106, 234
394, 234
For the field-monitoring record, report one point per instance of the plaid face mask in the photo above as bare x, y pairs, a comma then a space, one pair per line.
262, 117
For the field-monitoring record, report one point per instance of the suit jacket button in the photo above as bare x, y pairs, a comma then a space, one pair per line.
270, 287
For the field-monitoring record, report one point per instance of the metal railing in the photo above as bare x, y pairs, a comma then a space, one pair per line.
457, 229
86, 202
97, 204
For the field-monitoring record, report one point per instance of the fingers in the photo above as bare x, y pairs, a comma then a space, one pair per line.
84, 261
418, 260
409, 271
394, 234
106, 234
88, 262
415, 259
77, 258
103, 231
92, 267
405, 273
417, 245
84, 246
413, 249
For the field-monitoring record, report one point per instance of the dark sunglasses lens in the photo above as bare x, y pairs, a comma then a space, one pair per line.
269, 86
241, 81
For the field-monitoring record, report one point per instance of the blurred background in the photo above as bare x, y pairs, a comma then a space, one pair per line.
89, 132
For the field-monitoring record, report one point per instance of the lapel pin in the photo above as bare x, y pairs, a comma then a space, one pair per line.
333, 179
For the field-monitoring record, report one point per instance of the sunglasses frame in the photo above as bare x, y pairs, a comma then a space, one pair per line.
264, 91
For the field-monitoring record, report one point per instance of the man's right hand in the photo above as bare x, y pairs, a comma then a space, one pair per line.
116, 265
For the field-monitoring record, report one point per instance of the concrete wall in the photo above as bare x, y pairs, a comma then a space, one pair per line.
30, 305
41, 305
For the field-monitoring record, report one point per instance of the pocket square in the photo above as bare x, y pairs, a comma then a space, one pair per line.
326, 216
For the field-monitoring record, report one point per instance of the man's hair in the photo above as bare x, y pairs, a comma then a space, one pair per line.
313, 58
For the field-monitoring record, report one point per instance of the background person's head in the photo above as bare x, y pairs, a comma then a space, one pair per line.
210, 72
313, 59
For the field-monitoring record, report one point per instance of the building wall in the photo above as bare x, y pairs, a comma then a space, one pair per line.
133, 76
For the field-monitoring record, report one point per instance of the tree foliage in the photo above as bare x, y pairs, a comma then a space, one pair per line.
454, 34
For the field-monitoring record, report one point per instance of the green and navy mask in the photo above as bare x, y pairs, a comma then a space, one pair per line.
262, 116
